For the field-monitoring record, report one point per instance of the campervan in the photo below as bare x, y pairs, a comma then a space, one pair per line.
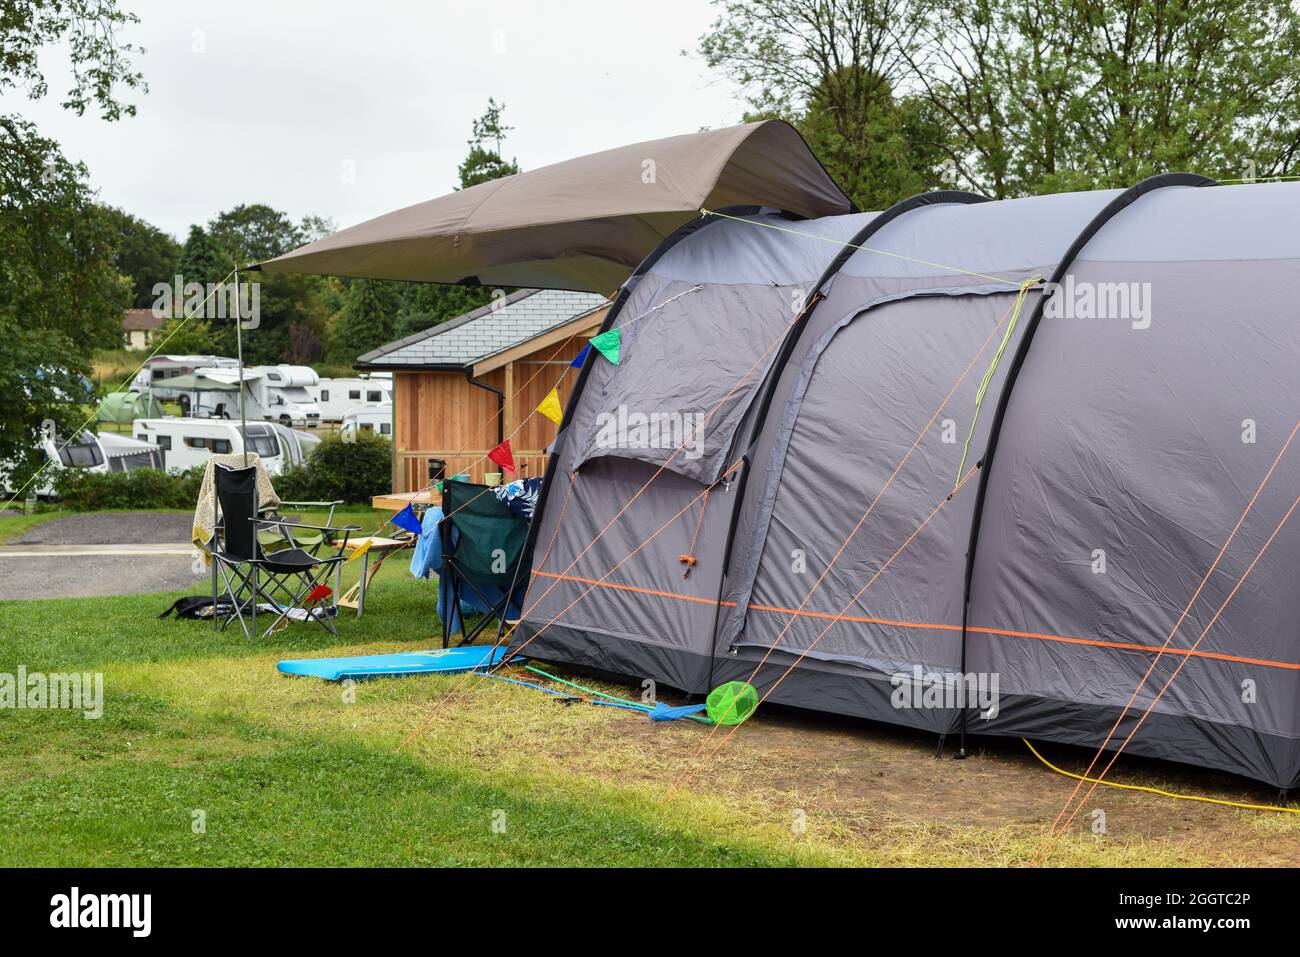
377, 418
186, 443
284, 396
337, 397
152, 378
271, 393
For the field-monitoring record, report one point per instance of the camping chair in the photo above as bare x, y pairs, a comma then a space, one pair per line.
483, 555
249, 573
276, 534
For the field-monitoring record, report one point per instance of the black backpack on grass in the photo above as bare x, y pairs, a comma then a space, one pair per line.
197, 607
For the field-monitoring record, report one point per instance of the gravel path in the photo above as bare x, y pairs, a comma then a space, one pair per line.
110, 528
25, 573
75, 576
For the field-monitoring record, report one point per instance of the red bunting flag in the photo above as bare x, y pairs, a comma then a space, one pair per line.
319, 593
502, 457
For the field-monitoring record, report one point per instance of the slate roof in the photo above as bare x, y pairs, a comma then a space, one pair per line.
140, 320
469, 339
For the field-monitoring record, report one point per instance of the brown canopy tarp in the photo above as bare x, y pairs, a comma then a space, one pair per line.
582, 224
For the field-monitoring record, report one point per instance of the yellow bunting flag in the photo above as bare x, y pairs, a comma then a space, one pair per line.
361, 549
551, 407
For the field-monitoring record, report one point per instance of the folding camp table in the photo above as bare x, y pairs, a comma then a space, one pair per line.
355, 597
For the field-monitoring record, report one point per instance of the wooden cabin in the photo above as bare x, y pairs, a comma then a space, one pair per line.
461, 387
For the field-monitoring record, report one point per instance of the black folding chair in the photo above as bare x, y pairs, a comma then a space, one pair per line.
250, 574
276, 534
483, 554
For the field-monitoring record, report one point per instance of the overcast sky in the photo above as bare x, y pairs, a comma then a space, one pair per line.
277, 101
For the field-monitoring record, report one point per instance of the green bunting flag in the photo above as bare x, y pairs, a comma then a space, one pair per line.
607, 344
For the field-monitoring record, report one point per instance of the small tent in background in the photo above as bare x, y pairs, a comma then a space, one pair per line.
122, 408
1038, 448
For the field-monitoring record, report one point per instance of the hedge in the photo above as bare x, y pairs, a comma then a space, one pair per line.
82, 491
352, 470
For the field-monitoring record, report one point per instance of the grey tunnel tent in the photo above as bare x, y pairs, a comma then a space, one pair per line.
1140, 417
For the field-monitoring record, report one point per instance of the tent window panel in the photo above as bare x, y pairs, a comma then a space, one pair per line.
691, 361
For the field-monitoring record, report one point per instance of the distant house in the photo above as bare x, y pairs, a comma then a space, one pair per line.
138, 327
450, 381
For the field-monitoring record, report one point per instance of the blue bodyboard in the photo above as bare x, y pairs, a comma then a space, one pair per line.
440, 661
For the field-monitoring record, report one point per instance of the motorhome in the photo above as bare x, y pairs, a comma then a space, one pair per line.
152, 378
377, 418
284, 396
186, 443
270, 393
337, 397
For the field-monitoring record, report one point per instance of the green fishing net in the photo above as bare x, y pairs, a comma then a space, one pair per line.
732, 703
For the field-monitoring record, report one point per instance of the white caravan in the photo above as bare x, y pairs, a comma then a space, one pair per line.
93, 453
271, 393
152, 379
337, 397
186, 443
377, 418
295, 444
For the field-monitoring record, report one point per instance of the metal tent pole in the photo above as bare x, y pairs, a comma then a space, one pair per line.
239, 346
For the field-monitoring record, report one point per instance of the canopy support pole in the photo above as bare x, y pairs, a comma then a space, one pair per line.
239, 347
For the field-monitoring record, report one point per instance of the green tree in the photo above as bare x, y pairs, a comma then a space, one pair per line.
368, 319
1075, 94
484, 162
194, 337
202, 259
252, 233
61, 296
145, 254
293, 313
832, 69
1013, 97
427, 304
90, 33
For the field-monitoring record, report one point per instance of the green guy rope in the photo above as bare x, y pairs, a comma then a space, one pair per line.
993, 367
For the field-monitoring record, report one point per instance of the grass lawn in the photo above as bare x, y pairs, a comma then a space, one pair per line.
199, 726
13, 523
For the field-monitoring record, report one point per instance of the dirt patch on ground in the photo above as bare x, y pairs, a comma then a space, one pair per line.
857, 770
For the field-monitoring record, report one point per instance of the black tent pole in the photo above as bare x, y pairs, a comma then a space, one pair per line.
767, 389
1111, 209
